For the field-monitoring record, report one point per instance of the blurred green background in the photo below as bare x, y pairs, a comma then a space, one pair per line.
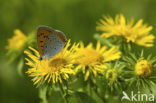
76, 18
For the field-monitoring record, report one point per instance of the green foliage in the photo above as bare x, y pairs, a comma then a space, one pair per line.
77, 19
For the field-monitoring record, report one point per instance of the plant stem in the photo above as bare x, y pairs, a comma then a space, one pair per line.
63, 93
89, 87
43, 94
97, 93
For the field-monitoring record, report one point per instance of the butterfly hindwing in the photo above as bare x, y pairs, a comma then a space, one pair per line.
54, 44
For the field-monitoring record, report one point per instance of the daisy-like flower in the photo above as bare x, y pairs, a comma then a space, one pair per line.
56, 69
138, 33
17, 44
143, 68
17, 41
92, 60
111, 75
140, 70
114, 75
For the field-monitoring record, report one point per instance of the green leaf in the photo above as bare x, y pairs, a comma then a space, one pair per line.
54, 97
142, 53
103, 40
20, 66
81, 97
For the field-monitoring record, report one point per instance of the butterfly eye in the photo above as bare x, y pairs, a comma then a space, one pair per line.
66, 40
40, 58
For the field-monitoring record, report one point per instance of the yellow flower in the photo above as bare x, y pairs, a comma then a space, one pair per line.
111, 75
56, 69
92, 60
143, 68
17, 41
138, 33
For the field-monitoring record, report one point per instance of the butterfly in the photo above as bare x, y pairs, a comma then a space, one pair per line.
49, 41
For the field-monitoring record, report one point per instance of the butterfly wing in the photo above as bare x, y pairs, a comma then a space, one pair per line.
54, 44
42, 33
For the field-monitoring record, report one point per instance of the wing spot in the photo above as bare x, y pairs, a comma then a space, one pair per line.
41, 33
45, 36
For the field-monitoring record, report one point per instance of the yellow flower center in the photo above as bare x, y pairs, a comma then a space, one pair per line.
143, 68
125, 31
89, 56
51, 66
57, 63
111, 75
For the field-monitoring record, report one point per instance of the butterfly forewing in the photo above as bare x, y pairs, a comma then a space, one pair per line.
49, 41
42, 34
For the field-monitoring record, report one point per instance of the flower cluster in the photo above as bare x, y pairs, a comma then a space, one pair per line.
59, 67
135, 71
103, 70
